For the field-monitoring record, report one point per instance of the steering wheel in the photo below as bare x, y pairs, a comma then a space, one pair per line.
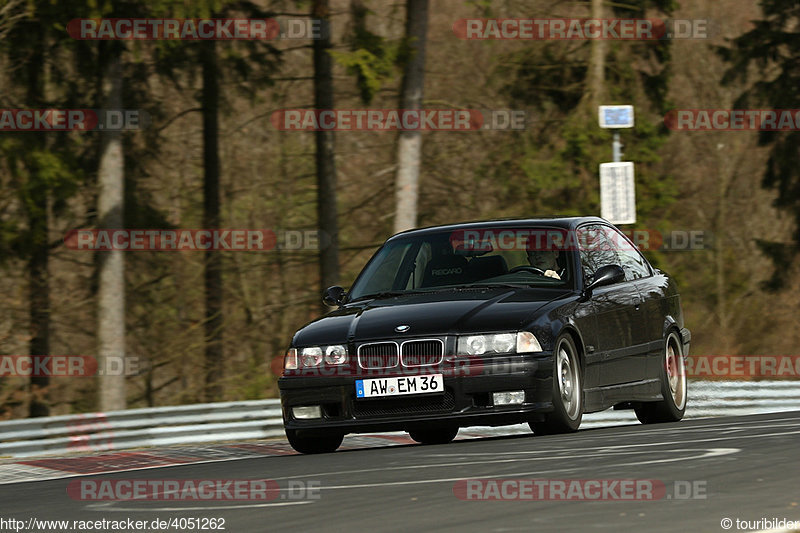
527, 268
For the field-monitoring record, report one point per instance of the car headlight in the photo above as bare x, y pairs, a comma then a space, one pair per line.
520, 342
472, 345
311, 357
503, 343
335, 354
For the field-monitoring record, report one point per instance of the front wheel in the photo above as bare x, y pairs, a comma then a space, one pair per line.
567, 391
310, 441
672, 373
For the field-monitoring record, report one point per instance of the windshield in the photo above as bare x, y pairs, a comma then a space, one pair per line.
488, 257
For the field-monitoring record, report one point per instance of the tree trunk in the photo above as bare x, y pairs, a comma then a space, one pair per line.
597, 62
409, 144
39, 296
327, 215
111, 266
38, 215
211, 220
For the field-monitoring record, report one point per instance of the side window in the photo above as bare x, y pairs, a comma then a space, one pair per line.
596, 249
382, 271
631, 261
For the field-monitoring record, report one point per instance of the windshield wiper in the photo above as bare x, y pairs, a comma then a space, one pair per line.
383, 294
389, 294
495, 285
480, 286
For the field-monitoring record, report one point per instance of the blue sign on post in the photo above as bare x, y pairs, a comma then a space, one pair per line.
616, 116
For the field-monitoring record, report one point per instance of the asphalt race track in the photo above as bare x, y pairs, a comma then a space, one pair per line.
745, 467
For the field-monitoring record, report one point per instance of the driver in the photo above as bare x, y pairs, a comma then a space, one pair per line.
546, 261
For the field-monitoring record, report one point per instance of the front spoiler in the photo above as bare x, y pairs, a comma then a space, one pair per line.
470, 397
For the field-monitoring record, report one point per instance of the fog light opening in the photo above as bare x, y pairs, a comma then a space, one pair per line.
306, 412
509, 398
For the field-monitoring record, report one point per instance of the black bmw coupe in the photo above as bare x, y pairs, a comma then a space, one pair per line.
489, 323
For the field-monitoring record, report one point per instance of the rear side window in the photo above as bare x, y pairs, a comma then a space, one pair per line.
597, 249
630, 259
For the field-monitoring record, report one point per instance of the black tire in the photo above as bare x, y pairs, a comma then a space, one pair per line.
434, 435
567, 391
672, 373
310, 442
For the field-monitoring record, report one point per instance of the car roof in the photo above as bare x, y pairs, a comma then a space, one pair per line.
551, 222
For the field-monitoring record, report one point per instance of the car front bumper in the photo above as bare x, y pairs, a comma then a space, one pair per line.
466, 400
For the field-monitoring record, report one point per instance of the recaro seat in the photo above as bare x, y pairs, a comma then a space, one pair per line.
445, 270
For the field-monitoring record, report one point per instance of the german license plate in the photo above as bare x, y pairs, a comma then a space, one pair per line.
399, 386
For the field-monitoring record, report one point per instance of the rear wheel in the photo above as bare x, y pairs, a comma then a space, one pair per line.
434, 435
567, 391
673, 387
310, 441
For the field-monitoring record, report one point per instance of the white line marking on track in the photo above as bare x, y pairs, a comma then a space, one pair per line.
109, 506
716, 452
790, 422
494, 453
771, 423
639, 445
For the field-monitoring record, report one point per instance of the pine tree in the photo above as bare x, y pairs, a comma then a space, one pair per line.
772, 49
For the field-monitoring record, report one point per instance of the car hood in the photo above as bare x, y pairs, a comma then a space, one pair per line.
429, 313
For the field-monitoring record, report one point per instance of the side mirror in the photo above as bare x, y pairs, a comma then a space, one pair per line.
605, 275
333, 296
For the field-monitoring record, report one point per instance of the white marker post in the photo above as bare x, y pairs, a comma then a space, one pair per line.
617, 193
617, 196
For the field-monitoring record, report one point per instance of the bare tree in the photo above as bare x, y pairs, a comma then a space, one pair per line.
409, 144
38, 214
111, 266
211, 219
327, 212
9, 15
597, 62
